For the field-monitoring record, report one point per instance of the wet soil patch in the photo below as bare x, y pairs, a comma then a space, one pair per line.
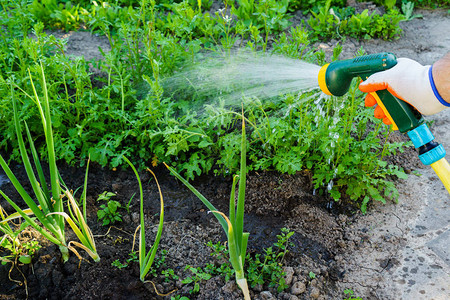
273, 201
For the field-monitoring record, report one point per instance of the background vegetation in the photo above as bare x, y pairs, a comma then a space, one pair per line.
123, 109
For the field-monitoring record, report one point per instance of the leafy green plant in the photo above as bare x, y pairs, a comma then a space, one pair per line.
178, 297
130, 111
418, 3
169, 275
132, 258
198, 276
270, 16
11, 242
270, 268
106, 196
146, 259
49, 209
335, 23
314, 5
108, 213
234, 225
349, 293
118, 264
408, 10
57, 14
221, 254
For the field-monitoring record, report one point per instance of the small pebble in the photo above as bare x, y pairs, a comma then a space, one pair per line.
266, 295
315, 293
298, 288
289, 271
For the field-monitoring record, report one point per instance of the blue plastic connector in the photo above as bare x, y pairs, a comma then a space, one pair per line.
420, 135
432, 155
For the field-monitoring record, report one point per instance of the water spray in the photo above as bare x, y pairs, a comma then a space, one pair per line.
335, 79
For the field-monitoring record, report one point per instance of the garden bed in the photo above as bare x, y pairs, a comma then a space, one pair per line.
326, 237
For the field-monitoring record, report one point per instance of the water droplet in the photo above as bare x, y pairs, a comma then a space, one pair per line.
330, 185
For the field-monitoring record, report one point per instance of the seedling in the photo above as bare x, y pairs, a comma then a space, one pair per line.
198, 276
105, 196
118, 264
350, 293
169, 274
132, 258
146, 259
108, 213
270, 268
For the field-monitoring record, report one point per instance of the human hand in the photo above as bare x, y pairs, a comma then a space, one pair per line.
408, 81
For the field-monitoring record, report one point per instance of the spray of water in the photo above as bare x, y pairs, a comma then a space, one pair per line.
243, 74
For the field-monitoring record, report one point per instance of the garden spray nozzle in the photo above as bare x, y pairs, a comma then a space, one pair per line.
335, 79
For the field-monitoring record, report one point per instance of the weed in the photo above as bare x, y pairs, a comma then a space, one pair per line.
311, 275
169, 274
108, 213
178, 297
198, 276
408, 9
269, 268
132, 258
350, 296
118, 264
106, 196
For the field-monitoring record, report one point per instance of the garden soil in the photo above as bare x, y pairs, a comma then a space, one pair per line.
395, 251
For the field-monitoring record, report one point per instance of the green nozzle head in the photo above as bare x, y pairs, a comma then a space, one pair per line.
336, 77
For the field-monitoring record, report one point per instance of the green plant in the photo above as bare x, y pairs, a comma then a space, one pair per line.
57, 14
268, 15
146, 259
106, 196
334, 23
221, 254
127, 207
314, 5
132, 111
49, 209
178, 297
11, 242
198, 276
108, 213
234, 225
132, 258
169, 274
118, 264
408, 10
350, 296
270, 268
312, 275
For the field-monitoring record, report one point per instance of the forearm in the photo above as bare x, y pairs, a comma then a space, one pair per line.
441, 76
